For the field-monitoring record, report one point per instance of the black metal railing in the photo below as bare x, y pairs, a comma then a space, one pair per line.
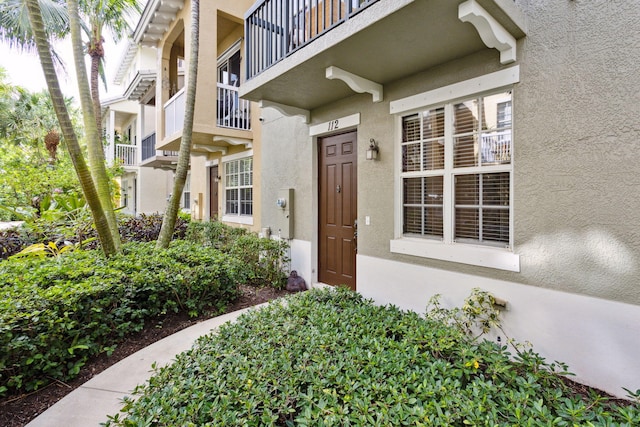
149, 146
276, 28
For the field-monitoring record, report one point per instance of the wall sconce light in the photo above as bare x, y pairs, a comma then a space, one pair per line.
372, 151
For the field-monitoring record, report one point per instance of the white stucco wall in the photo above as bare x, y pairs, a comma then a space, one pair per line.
597, 338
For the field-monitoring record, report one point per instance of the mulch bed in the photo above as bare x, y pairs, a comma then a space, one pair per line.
17, 411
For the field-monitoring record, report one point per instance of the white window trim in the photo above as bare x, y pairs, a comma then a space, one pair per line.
484, 256
235, 219
229, 52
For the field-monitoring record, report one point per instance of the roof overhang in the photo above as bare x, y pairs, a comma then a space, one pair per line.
125, 61
165, 162
387, 41
156, 18
204, 142
140, 85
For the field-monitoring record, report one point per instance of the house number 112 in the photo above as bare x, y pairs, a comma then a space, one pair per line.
334, 124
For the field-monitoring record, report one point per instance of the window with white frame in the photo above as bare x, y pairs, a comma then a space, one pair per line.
186, 193
238, 183
456, 168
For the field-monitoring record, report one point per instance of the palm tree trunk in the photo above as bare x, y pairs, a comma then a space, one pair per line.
95, 91
71, 139
94, 138
171, 214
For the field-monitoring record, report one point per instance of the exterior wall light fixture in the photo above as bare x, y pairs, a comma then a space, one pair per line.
372, 151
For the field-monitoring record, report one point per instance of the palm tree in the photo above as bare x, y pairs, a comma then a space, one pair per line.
92, 130
29, 122
73, 146
103, 15
171, 214
15, 28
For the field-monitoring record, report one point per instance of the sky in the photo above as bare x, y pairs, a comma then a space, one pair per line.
23, 68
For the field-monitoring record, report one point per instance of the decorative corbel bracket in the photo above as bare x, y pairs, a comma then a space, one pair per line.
287, 110
492, 33
209, 149
356, 83
233, 141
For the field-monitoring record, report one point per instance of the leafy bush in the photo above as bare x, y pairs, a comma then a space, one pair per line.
76, 227
145, 228
11, 242
332, 358
56, 312
214, 234
263, 259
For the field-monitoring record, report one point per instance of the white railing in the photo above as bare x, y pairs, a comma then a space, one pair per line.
496, 147
126, 154
174, 114
233, 112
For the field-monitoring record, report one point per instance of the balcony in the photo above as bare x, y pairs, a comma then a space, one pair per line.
275, 28
174, 113
233, 112
291, 44
495, 147
153, 158
126, 154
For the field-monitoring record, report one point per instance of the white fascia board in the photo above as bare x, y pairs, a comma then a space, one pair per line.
476, 85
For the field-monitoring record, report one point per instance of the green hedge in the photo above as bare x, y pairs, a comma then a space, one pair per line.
264, 260
57, 312
335, 359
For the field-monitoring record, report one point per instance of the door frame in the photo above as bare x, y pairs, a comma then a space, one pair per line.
317, 165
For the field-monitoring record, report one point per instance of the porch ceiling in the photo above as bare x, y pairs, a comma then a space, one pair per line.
418, 35
140, 85
206, 142
160, 162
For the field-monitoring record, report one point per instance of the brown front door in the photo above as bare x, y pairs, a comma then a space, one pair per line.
338, 209
213, 192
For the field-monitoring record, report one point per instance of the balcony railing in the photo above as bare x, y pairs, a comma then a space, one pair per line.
233, 112
276, 28
126, 154
496, 147
149, 146
174, 113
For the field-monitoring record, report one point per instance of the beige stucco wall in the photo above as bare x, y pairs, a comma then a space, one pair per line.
576, 129
288, 161
204, 126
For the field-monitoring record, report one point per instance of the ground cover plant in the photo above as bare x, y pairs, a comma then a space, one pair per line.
55, 312
332, 358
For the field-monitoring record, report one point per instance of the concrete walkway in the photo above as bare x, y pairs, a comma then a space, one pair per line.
89, 404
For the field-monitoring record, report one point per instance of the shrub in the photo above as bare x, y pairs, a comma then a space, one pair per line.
263, 260
328, 358
146, 228
12, 242
78, 229
56, 312
214, 234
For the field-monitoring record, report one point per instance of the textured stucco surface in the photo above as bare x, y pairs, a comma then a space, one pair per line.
287, 159
576, 146
577, 170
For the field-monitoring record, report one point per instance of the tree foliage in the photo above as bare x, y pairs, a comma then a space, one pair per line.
28, 172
